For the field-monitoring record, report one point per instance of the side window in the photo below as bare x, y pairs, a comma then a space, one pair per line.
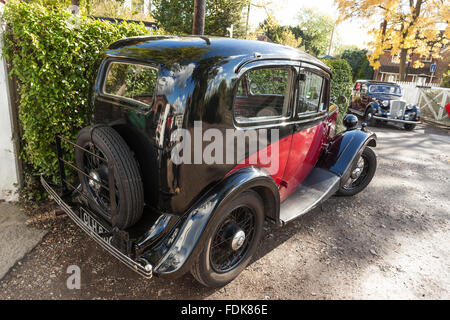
268, 95
364, 88
310, 95
131, 81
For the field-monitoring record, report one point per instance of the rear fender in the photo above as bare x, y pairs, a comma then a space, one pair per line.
344, 150
191, 231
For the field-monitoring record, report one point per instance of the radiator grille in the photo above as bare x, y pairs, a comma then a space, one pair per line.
397, 110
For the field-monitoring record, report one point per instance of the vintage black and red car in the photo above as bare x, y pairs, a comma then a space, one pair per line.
380, 101
195, 142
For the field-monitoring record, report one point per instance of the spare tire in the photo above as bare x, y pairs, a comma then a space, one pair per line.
105, 142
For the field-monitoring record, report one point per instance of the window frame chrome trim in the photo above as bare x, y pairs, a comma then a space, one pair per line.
113, 98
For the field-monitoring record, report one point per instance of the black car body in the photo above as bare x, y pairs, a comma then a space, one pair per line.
223, 84
382, 101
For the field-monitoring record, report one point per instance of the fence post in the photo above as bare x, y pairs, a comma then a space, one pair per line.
10, 173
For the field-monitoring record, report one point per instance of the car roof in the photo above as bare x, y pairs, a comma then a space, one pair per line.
377, 82
184, 49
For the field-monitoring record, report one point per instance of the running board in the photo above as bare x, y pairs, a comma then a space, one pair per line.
318, 186
360, 113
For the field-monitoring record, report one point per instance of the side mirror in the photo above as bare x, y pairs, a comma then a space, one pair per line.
350, 121
342, 100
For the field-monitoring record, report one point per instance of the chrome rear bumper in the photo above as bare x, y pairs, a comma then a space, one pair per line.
143, 268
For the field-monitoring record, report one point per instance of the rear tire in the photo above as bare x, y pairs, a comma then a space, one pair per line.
368, 171
409, 126
107, 143
207, 268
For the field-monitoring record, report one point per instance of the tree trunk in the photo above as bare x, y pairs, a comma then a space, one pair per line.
147, 7
248, 15
75, 7
402, 69
198, 25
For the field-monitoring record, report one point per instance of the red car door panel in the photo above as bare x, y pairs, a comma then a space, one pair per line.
309, 130
306, 146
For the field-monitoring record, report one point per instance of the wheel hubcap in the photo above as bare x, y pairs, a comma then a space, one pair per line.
93, 183
357, 174
238, 240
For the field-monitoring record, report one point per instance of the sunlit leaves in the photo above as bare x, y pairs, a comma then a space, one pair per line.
341, 83
417, 26
55, 59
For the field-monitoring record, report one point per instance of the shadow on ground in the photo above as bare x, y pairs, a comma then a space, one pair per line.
390, 241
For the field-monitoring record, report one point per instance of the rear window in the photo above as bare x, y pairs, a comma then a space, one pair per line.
135, 82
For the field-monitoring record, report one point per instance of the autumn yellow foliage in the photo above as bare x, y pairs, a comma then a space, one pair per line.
404, 27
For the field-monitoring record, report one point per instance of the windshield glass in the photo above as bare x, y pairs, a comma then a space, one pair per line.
384, 88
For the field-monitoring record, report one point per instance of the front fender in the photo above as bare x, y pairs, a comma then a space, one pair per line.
191, 235
344, 150
374, 106
417, 111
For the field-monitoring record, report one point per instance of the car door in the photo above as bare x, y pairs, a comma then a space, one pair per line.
356, 97
309, 127
264, 104
365, 99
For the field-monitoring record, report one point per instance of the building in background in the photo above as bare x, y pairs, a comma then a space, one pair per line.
430, 73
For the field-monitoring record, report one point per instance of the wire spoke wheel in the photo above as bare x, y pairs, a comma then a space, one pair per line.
232, 239
361, 174
104, 148
99, 178
358, 174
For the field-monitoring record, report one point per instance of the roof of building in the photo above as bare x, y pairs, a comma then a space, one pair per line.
410, 70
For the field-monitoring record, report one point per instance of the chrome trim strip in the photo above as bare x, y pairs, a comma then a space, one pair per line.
146, 271
395, 120
321, 117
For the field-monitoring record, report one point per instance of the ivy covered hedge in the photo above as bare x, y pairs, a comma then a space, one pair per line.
341, 84
54, 57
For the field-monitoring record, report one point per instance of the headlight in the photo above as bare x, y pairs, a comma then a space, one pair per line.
385, 103
409, 106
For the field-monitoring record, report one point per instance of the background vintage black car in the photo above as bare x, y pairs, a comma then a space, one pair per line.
382, 101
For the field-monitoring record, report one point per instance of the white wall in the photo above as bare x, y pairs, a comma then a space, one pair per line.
9, 173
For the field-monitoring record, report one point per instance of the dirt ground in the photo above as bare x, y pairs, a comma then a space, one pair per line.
390, 241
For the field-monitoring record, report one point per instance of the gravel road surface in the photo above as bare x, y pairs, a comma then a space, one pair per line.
390, 241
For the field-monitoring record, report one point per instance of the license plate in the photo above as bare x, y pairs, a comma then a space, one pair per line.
94, 225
